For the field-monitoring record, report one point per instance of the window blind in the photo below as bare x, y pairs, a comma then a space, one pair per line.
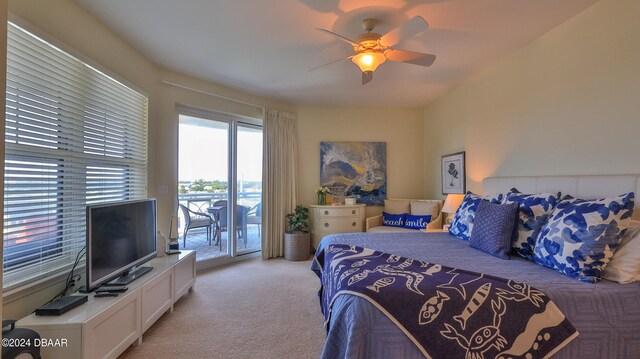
73, 136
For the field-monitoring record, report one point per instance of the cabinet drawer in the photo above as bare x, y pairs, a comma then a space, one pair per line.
111, 332
157, 298
340, 212
184, 277
337, 225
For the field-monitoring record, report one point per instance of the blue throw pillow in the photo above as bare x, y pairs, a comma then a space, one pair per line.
580, 237
493, 227
393, 220
462, 223
533, 213
416, 222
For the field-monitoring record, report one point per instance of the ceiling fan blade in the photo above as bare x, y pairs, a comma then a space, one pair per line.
416, 58
408, 29
329, 63
367, 76
349, 41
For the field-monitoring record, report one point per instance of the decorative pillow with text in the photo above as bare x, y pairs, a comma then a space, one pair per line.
416, 222
393, 220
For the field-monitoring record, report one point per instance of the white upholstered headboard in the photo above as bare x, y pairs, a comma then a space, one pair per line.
586, 187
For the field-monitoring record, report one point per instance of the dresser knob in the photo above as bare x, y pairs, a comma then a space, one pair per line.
353, 224
326, 213
326, 224
353, 212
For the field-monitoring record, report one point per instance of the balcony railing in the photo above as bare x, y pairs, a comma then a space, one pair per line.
201, 201
197, 239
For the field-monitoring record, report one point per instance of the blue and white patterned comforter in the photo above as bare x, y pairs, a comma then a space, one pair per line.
606, 314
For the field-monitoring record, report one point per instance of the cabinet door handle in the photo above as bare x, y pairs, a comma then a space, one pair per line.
353, 212
326, 213
326, 224
353, 224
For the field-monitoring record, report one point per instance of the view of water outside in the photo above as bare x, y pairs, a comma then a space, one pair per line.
203, 160
203, 176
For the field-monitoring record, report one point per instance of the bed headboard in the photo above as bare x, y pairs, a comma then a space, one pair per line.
587, 187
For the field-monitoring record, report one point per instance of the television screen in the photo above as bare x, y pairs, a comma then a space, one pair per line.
119, 236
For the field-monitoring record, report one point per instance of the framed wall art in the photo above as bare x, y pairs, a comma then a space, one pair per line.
454, 174
355, 169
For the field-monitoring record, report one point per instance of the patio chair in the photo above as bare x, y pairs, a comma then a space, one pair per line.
241, 223
254, 216
193, 220
199, 205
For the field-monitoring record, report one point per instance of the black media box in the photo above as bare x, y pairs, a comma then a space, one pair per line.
61, 305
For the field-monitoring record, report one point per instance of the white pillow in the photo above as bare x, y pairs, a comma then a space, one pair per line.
624, 266
397, 206
424, 208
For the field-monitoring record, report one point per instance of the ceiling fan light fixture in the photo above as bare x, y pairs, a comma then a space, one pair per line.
369, 61
372, 49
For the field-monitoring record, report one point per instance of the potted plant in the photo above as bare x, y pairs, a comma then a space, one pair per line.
297, 240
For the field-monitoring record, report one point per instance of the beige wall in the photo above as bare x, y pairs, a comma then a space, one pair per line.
89, 39
568, 103
77, 29
401, 129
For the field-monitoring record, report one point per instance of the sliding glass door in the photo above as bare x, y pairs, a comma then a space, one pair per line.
249, 187
203, 173
219, 186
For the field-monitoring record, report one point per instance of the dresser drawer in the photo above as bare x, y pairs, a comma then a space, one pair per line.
326, 220
337, 225
340, 212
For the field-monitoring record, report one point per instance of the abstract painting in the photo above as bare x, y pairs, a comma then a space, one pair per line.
355, 169
453, 173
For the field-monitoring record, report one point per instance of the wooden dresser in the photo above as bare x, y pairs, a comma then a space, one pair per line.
326, 220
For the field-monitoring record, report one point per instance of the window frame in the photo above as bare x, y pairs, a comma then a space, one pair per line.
91, 162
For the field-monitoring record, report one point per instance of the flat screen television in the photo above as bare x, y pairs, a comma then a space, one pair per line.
120, 237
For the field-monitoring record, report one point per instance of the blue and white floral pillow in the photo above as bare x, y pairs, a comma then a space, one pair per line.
533, 212
581, 236
462, 223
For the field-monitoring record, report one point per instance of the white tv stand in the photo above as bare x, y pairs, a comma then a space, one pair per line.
106, 327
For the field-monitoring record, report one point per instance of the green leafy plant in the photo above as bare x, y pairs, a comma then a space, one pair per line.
298, 220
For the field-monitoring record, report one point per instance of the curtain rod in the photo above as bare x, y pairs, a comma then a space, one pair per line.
211, 94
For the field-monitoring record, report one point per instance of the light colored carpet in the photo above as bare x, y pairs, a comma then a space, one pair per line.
252, 309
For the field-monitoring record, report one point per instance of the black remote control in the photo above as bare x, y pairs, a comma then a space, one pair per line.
105, 294
112, 289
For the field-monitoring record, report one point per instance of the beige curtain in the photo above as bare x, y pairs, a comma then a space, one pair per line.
280, 180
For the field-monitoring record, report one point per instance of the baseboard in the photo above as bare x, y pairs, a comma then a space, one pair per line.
217, 262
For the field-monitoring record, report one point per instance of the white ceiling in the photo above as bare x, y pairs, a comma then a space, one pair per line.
265, 47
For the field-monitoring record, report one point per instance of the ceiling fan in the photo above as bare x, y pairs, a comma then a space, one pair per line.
373, 49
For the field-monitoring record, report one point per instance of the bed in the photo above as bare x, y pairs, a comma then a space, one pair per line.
606, 314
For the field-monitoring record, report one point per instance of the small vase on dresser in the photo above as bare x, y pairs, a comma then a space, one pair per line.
322, 192
326, 220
